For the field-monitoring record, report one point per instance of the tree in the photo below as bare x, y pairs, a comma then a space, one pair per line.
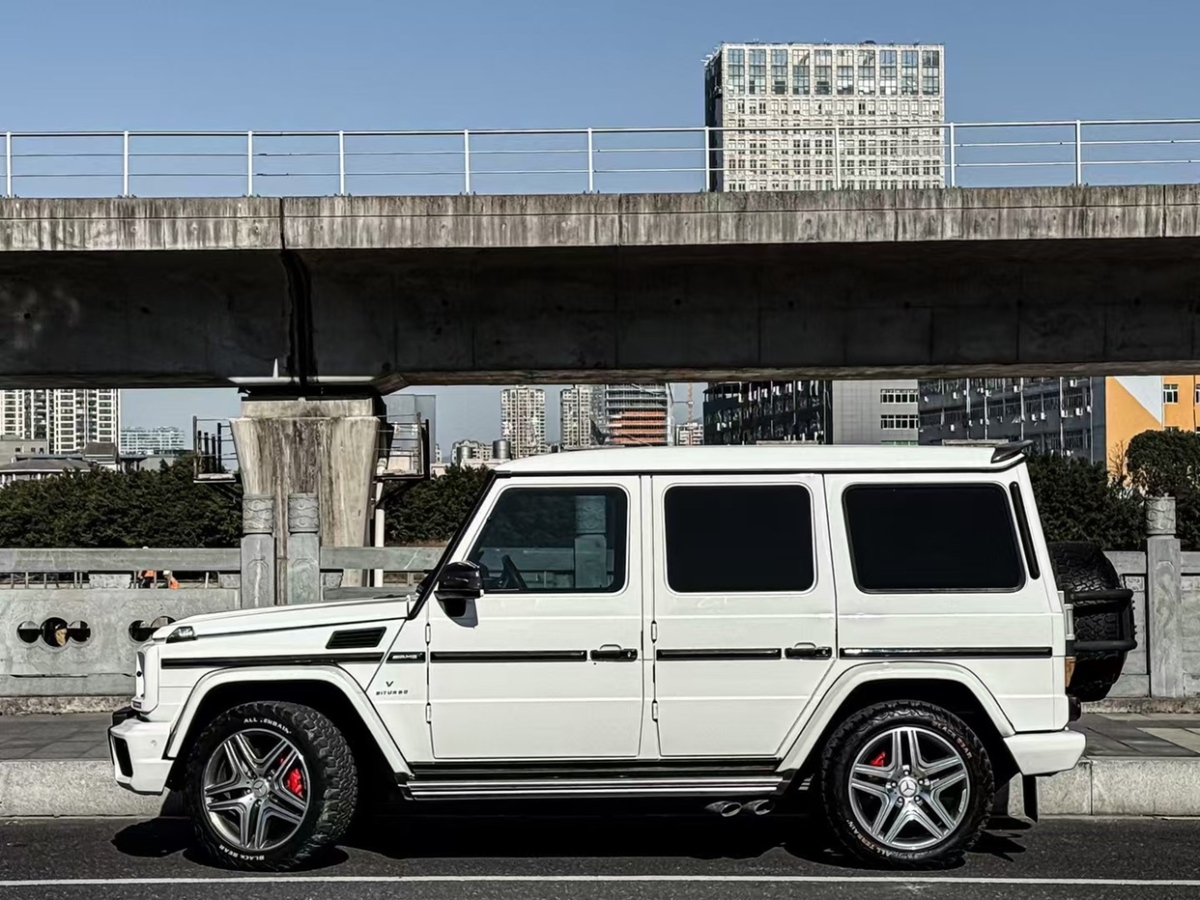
1164, 463
1167, 464
101, 508
431, 511
1078, 501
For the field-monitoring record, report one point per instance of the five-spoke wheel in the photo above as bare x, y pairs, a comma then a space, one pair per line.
906, 783
269, 784
255, 789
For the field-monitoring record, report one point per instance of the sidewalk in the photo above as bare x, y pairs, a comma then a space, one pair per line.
1135, 764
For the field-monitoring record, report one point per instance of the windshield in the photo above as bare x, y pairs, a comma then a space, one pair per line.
429, 579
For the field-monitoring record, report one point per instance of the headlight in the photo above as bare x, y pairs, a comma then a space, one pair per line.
145, 679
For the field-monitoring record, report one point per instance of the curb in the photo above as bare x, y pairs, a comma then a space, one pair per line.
1106, 786
1117, 786
72, 787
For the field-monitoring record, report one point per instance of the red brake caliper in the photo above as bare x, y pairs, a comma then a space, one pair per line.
880, 761
294, 782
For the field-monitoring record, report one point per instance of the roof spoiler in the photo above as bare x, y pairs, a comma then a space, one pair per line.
1005, 452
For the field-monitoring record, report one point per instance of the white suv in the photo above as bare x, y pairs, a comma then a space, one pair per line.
879, 627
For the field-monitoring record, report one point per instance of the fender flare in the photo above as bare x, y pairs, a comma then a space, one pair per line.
332, 675
808, 729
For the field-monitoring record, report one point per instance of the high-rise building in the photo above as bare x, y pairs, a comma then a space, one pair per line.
825, 116
523, 419
798, 117
152, 441
637, 414
577, 405
67, 419
825, 412
1092, 418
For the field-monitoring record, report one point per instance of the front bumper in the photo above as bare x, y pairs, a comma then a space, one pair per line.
1046, 753
137, 750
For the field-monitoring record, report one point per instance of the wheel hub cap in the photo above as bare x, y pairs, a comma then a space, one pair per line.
909, 788
253, 794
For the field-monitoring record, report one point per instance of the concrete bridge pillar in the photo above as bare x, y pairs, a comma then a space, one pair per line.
327, 448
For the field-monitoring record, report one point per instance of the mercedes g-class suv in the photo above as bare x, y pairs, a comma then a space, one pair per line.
876, 628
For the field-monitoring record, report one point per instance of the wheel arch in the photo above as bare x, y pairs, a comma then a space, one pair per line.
949, 686
328, 690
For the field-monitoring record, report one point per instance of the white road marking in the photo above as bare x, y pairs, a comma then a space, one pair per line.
599, 879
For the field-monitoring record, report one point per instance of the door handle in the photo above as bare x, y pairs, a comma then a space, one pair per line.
808, 651
614, 653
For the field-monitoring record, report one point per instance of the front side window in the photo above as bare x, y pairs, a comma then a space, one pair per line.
738, 539
917, 538
554, 540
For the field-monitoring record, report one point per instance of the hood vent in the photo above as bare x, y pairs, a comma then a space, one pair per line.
359, 639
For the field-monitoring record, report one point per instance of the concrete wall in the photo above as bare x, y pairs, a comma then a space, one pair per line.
608, 288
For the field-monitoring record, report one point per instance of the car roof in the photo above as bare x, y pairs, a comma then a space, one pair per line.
793, 457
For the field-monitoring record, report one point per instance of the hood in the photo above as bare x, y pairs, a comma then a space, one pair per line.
275, 618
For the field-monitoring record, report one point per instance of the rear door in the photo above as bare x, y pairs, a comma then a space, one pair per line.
744, 619
932, 566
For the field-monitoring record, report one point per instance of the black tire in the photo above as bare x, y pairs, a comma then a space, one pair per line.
332, 789
855, 735
1081, 567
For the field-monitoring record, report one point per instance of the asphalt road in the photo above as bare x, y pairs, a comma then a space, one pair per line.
661, 858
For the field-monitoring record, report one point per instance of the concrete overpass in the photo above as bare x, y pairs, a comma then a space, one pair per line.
378, 292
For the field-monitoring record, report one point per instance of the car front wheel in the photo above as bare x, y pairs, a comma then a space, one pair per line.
269, 784
906, 784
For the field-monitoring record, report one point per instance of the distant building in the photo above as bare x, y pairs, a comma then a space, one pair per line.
826, 412
466, 452
164, 440
690, 434
65, 419
636, 414
13, 448
805, 117
1092, 418
523, 420
578, 405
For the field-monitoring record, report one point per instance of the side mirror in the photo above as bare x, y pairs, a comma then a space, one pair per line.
458, 583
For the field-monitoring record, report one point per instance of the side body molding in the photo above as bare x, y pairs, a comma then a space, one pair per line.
807, 730
328, 674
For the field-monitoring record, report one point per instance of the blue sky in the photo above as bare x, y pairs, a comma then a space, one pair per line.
370, 64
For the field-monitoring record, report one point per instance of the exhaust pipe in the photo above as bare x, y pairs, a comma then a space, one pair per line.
724, 808
758, 807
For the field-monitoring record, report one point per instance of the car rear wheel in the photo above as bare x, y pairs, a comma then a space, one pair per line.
906, 784
269, 785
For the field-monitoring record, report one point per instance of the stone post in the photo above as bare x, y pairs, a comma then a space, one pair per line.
1164, 599
304, 549
258, 551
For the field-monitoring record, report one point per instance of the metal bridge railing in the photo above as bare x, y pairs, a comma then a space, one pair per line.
554, 160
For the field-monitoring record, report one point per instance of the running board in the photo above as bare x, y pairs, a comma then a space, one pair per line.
568, 788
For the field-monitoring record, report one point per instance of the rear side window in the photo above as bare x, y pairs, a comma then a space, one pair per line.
734, 539
932, 538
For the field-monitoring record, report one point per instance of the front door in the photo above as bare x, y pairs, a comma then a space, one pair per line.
547, 663
744, 610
